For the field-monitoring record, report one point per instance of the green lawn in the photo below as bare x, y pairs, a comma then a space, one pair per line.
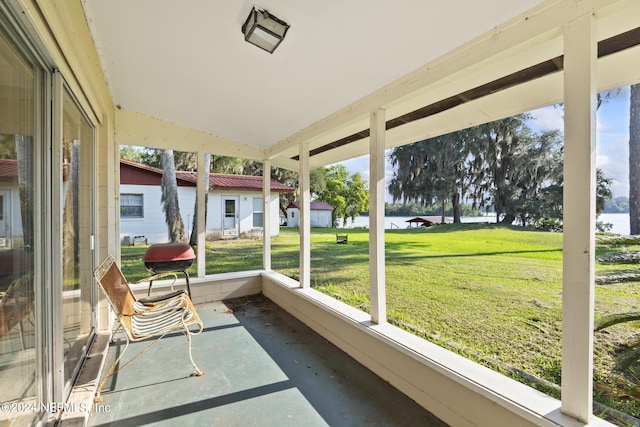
492, 293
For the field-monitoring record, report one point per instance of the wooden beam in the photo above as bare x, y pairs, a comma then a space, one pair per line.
305, 217
545, 17
202, 189
580, 65
133, 128
266, 214
376, 218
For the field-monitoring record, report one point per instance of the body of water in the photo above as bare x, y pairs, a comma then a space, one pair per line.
620, 222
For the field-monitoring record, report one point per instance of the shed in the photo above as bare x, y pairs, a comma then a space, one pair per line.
320, 215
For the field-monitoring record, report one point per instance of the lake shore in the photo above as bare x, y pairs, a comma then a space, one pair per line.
619, 222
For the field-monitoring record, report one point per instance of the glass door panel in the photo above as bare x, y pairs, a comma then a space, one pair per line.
230, 220
77, 214
18, 106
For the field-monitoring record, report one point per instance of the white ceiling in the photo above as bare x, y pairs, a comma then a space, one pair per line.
187, 61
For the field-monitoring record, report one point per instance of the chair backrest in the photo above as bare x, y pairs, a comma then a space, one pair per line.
114, 284
16, 303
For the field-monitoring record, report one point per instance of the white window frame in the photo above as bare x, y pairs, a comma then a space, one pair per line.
125, 196
258, 208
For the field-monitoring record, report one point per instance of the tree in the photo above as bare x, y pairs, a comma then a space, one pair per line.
603, 193
346, 193
356, 197
333, 193
288, 178
537, 178
634, 160
193, 238
182, 160
318, 181
70, 217
495, 169
617, 205
169, 199
8, 146
501, 164
132, 153
236, 166
23, 153
431, 171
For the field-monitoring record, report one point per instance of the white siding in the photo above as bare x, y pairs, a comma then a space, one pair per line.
321, 218
153, 226
12, 217
293, 217
318, 218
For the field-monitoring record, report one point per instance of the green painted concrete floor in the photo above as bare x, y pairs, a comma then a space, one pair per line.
262, 367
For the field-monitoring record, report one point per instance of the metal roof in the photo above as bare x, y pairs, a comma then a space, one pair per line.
217, 181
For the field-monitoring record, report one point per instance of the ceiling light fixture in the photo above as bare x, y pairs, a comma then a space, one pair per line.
264, 30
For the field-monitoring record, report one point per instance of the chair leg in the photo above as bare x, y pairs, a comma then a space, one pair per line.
111, 371
114, 332
186, 276
197, 372
24, 346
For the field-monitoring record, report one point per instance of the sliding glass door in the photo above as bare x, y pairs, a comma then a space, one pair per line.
20, 241
46, 230
76, 195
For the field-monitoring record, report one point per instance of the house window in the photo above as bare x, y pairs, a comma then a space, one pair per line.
258, 215
131, 206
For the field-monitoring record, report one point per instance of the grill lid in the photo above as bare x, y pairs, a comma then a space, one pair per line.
168, 252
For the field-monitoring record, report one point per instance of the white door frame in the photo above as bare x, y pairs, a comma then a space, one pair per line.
5, 218
230, 218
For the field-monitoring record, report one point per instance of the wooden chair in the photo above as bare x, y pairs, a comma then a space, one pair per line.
16, 304
145, 317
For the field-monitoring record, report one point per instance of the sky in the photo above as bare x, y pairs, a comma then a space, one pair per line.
612, 141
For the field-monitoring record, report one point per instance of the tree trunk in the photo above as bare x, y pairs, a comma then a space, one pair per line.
193, 239
169, 186
24, 153
634, 160
508, 219
70, 222
455, 202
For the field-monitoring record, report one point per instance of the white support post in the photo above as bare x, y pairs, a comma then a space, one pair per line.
580, 64
202, 188
266, 214
376, 217
305, 217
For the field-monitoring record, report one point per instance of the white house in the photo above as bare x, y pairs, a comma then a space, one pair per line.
320, 214
235, 204
10, 220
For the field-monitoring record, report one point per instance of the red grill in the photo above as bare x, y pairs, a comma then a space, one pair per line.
169, 258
